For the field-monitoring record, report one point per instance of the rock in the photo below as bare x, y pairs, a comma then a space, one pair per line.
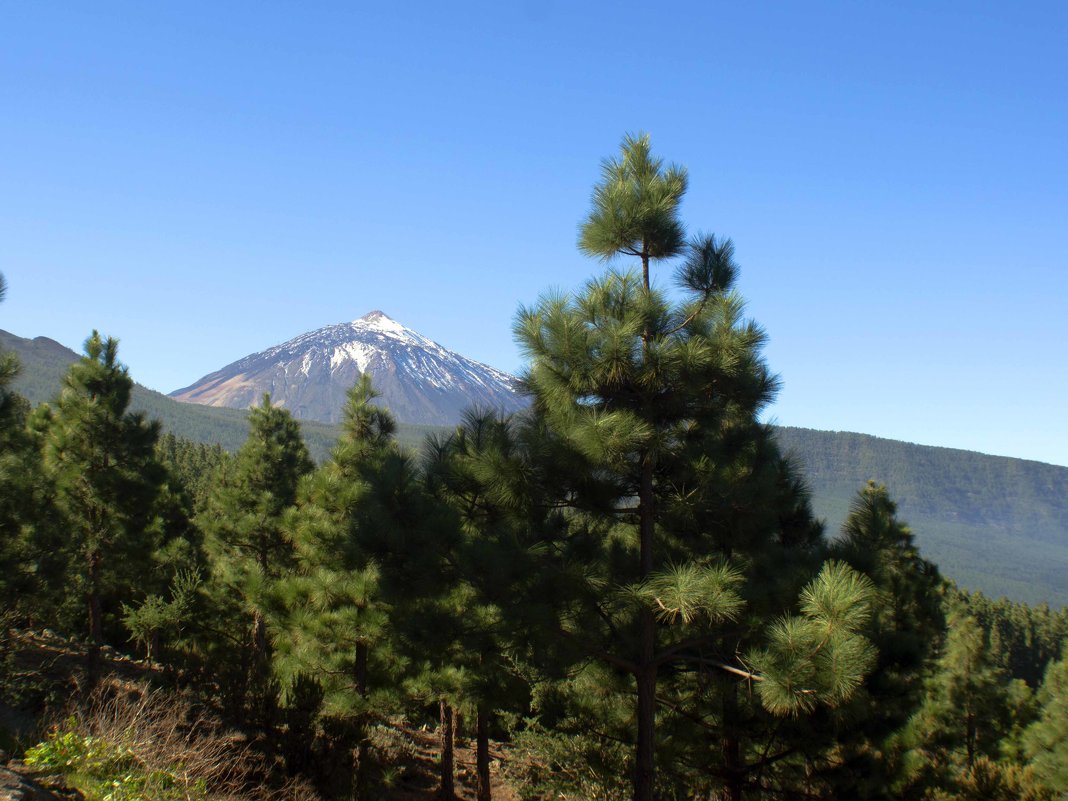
16, 787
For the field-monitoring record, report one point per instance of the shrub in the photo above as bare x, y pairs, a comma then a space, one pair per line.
154, 746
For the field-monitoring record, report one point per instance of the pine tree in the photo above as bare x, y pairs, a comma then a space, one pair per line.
1028, 638
243, 522
191, 465
32, 531
907, 628
12, 446
706, 539
1046, 740
482, 472
988, 780
969, 713
27, 515
361, 609
107, 481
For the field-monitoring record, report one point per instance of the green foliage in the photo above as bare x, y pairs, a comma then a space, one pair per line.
907, 627
332, 608
361, 610
1025, 639
687, 593
29, 525
973, 711
193, 465
109, 771
688, 539
987, 780
101, 460
30, 528
155, 616
635, 206
243, 515
990, 523
568, 767
243, 520
1046, 740
819, 656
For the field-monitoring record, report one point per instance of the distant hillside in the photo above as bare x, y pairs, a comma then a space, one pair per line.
991, 523
45, 362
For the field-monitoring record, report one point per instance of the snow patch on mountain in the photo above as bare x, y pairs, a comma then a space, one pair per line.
420, 381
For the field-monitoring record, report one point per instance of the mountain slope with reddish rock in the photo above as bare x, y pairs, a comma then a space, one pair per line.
419, 380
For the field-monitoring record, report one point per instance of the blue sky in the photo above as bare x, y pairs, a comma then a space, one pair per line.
204, 181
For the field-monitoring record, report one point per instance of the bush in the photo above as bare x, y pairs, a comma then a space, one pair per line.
108, 771
569, 767
153, 746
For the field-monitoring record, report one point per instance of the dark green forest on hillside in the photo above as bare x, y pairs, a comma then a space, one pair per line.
990, 523
626, 593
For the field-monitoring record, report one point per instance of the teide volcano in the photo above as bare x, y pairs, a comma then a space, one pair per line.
420, 381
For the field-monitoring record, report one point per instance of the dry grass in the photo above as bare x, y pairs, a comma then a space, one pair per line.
187, 749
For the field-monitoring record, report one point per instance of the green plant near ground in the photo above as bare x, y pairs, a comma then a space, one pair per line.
137, 744
570, 767
110, 771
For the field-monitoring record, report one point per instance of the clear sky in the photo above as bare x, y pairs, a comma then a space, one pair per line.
207, 180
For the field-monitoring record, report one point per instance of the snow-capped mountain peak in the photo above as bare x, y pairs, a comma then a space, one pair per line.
382, 323
420, 381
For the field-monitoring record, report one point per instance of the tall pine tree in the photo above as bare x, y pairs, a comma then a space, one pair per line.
1046, 739
101, 458
482, 472
243, 523
862, 758
362, 608
29, 529
697, 559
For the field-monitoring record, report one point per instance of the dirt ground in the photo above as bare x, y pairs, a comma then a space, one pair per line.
420, 780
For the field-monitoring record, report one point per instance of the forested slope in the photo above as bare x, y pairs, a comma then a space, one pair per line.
992, 523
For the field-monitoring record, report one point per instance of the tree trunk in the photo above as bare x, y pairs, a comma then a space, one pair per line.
645, 751
448, 785
731, 747
970, 738
482, 758
645, 763
732, 766
359, 757
96, 617
259, 638
152, 646
361, 669
645, 756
